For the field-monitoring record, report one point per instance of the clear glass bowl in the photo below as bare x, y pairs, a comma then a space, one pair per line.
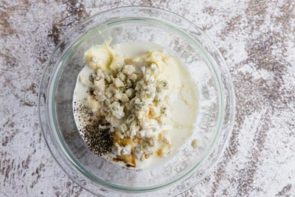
202, 60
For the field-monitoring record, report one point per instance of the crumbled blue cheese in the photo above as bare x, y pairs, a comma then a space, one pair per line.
131, 98
128, 69
117, 110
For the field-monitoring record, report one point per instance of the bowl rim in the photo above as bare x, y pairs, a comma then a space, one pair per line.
124, 188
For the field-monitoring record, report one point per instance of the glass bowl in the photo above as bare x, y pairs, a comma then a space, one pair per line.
215, 111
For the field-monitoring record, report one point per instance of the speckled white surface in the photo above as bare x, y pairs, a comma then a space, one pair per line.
257, 39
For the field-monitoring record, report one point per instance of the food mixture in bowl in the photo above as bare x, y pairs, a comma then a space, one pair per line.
134, 104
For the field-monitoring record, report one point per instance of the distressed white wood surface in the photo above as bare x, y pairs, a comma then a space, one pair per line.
257, 39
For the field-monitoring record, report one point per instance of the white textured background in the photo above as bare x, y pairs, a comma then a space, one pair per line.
257, 39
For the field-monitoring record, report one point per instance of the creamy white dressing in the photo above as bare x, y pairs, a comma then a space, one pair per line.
182, 99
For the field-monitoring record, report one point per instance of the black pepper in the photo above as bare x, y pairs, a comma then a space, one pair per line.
98, 137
